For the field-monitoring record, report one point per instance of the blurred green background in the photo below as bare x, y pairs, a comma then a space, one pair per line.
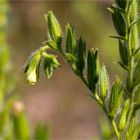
62, 101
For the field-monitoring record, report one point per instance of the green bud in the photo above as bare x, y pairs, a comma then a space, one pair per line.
116, 97
20, 123
70, 40
50, 64
32, 68
54, 29
103, 82
123, 116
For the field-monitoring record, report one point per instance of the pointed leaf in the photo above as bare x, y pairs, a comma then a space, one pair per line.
80, 55
70, 40
119, 22
123, 52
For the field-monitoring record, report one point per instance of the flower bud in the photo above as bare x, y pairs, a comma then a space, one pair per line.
32, 69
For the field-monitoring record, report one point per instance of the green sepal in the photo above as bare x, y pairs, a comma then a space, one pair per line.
123, 116
116, 97
50, 64
54, 29
119, 21
70, 40
41, 132
121, 3
32, 68
123, 49
80, 54
103, 82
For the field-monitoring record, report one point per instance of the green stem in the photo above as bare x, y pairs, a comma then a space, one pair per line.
132, 40
116, 130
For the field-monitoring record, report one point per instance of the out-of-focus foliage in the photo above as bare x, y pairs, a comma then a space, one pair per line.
14, 124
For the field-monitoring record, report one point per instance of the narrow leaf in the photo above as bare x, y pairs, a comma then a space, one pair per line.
80, 55
70, 40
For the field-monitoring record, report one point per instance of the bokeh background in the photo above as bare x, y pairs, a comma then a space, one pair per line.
61, 102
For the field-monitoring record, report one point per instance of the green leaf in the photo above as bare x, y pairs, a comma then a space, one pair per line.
80, 55
103, 82
118, 37
41, 132
32, 68
70, 40
137, 73
121, 3
93, 69
135, 51
50, 64
54, 29
136, 108
119, 22
123, 49
116, 97
123, 66
123, 116
134, 23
